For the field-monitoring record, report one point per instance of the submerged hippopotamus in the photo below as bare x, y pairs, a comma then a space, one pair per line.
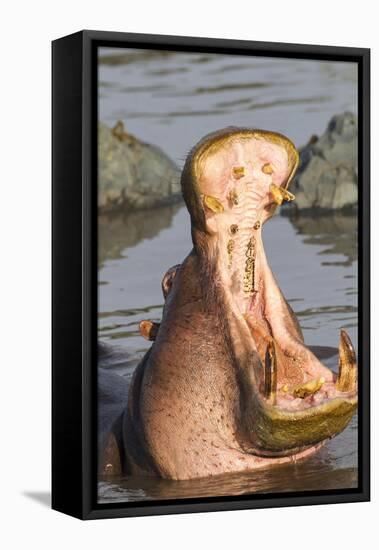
228, 384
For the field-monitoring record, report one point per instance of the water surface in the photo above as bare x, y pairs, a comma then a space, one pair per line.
172, 100
315, 263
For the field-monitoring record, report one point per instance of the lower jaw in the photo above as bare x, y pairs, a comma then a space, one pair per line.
279, 409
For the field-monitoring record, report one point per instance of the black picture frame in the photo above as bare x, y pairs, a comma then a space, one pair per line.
74, 271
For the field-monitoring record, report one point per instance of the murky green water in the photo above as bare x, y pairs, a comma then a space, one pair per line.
313, 258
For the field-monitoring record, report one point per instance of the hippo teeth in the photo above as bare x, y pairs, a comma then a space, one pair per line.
309, 388
213, 204
270, 373
318, 389
279, 194
347, 375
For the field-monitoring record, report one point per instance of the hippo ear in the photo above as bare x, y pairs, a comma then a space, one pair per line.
168, 279
149, 330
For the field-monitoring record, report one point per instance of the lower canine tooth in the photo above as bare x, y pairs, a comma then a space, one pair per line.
347, 375
270, 373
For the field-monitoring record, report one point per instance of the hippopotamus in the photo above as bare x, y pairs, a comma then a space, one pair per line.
228, 384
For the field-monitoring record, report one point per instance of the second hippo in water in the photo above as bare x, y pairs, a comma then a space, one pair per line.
228, 384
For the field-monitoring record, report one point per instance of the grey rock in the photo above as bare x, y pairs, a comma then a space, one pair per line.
133, 174
327, 177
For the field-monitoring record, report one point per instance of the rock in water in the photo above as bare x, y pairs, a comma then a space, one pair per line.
328, 174
133, 174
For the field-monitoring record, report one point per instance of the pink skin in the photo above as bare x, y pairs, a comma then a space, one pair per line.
266, 309
192, 397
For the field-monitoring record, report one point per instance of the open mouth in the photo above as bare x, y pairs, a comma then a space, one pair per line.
297, 401
288, 402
